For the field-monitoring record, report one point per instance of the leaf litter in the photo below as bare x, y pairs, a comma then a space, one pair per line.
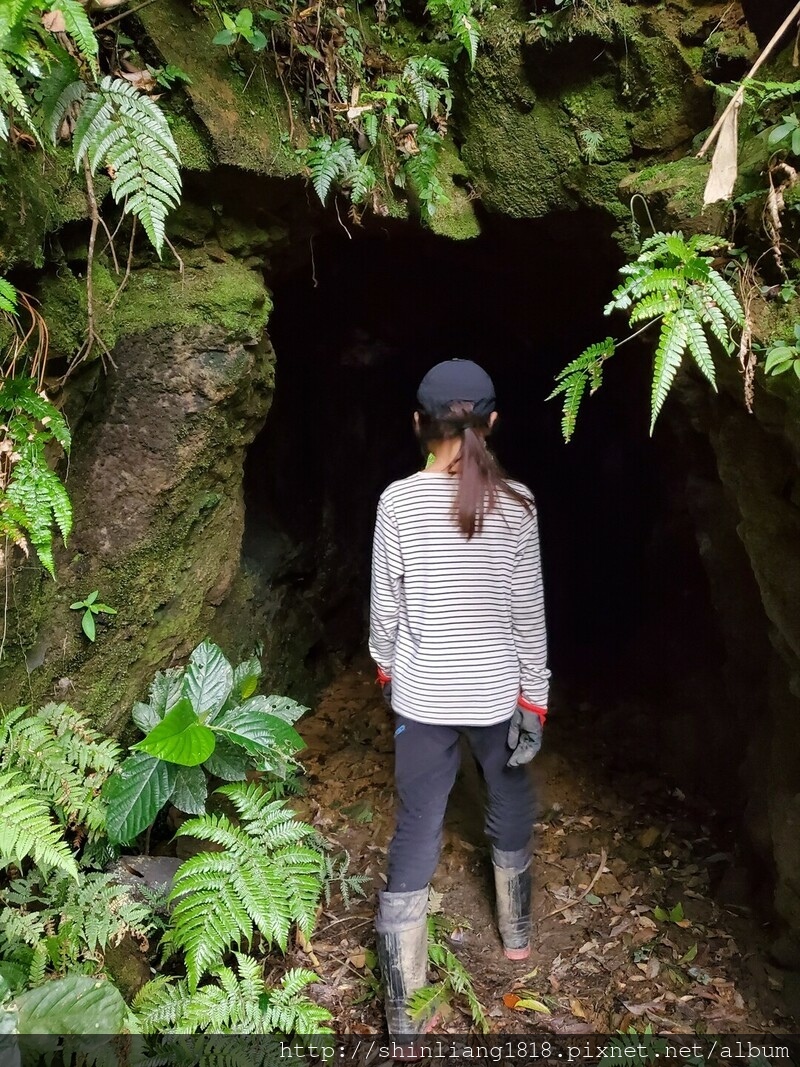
627, 933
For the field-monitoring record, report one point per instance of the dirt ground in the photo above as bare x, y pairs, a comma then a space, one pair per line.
610, 851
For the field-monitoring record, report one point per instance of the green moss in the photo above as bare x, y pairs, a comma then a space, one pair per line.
195, 150
225, 294
40, 192
457, 218
246, 118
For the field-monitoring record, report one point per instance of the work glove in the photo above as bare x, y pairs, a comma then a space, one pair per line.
385, 682
525, 734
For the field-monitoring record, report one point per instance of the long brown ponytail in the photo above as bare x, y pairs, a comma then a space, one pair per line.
480, 477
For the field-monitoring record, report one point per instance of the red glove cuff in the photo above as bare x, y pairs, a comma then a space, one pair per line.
529, 706
383, 677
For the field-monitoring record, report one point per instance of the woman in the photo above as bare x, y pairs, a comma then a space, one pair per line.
457, 630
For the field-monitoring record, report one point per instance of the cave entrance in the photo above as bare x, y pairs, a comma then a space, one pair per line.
357, 325
639, 689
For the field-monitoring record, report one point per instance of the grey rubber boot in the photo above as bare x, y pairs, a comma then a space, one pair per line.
402, 937
513, 885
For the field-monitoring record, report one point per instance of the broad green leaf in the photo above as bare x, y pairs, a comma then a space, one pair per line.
244, 20
225, 37
270, 15
87, 622
660, 914
796, 143
92, 597
145, 716
72, 1005
208, 679
179, 738
105, 609
779, 354
258, 42
190, 790
245, 678
258, 732
136, 794
228, 761
281, 707
676, 915
166, 690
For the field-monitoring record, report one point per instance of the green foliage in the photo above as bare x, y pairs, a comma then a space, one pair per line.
79, 28
328, 162
125, 132
786, 134
67, 923
784, 356
63, 761
419, 172
27, 829
591, 141
429, 79
201, 719
90, 608
336, 872
29, 49
240, 28
266, 879
464, 26
8, 297
71, 1005
672, 282
585, 371
231, 1002
33, 499
454, 981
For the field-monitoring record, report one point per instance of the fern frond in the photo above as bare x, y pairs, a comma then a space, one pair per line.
601, 350
125, 131
26, 828
79, 28
330, 161
11, 94
8, 297
671, 346
723, 294
654, 306
363, 180
65, 759
258, 883
698, 346
467, 31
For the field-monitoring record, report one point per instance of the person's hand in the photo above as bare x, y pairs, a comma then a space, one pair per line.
385, 682
524, 736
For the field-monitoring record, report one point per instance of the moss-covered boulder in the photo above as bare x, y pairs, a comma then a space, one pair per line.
155, 477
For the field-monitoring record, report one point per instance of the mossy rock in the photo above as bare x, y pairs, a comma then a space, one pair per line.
246, 119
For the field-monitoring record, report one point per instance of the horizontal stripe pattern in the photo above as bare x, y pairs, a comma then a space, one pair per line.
459, 625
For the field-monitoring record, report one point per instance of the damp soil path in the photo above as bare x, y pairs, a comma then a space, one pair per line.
605, 963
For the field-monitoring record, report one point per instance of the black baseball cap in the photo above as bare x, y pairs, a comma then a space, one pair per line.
453, 381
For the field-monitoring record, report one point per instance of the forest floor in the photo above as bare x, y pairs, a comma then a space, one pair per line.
604, 958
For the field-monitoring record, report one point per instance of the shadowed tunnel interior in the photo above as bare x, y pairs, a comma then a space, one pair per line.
355, 328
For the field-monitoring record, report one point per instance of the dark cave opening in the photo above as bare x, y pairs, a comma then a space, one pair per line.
357, 325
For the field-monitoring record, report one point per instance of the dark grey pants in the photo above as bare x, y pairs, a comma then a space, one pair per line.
426, 761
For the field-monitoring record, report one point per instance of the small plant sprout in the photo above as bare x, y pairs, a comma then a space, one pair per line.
240, 28
784, 356
90, 608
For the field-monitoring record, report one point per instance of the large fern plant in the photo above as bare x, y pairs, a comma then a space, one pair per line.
33, 499
673, 282
266, 878
52, 768
52, 924
231, 1002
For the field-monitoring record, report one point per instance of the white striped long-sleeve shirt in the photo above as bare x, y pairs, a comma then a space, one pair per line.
458, 624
